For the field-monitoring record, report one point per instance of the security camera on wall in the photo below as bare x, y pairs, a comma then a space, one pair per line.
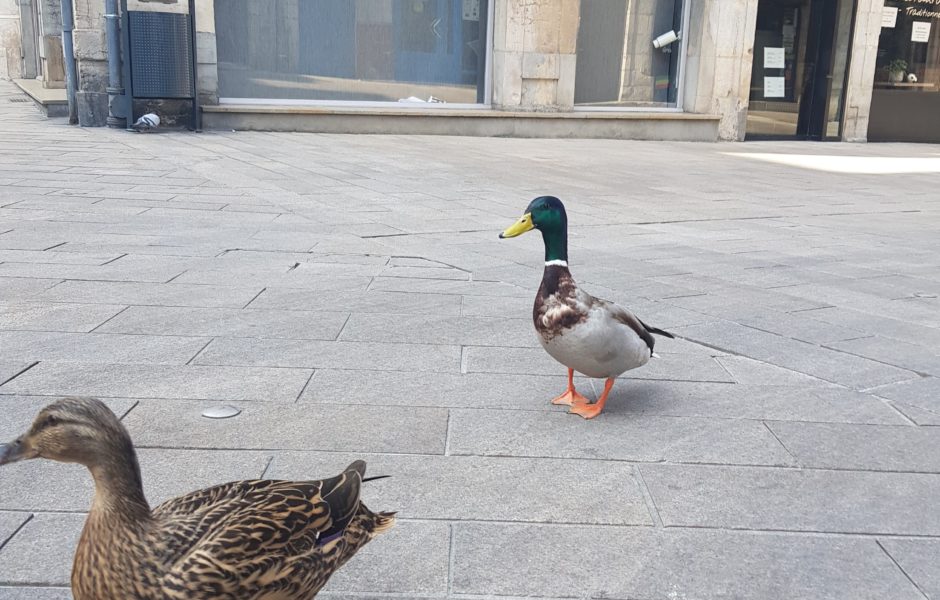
665, 39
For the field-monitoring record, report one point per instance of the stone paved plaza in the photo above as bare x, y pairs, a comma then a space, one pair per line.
349, 294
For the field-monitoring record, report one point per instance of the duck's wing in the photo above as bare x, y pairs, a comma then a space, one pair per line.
251, 538
624, 316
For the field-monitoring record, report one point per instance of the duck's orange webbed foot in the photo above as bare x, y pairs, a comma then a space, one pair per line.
589, 411
571, 396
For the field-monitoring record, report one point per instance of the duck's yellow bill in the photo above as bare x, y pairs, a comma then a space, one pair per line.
519, 227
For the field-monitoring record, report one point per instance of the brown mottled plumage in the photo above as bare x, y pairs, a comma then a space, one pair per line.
245, 540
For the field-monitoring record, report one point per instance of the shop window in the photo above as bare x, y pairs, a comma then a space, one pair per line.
352, 50
906, 90
618, 64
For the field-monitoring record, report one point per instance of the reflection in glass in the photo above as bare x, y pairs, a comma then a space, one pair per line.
360, 50
617, 64
906, 95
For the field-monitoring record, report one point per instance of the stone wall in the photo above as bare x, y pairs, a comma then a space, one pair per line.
534, 54
207, 71
10, 62
50, 49
718, 65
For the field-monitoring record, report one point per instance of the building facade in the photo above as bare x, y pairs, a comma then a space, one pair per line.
657, 69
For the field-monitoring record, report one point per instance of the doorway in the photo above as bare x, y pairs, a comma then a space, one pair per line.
801, 57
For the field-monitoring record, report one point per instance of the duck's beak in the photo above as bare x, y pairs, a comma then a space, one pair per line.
519, 227
16, 450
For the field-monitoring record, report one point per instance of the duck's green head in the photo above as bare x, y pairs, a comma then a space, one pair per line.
547, 214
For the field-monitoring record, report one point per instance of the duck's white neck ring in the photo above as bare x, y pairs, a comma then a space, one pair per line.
556, 263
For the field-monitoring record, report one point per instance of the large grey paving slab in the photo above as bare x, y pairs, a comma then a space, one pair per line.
17, 289
919, 559
737, 401
795, 500
440, 329
43, 316
152, 294
488, 489
831, 365
228, 322
443, 287
549, 561
330, 354
49, 486
877, 324
161, 381
165, 423
755, 372
116, 271
465, 390
359, 302
34, 593
864, 447
917, 357
410, 561
57, 256
100, 348
918, 399
614, 436
42, 551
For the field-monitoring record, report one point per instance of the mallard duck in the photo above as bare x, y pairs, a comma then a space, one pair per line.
586, 334
257, 540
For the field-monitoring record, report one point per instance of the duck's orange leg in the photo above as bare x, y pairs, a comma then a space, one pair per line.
589, 411
570, 397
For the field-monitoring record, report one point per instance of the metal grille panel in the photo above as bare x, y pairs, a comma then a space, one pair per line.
161, 55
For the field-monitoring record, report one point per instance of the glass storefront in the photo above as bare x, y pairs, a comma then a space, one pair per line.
352, 50
801, 54
906, 93
618, 65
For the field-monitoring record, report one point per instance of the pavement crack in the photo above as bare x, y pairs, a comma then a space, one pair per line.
782, 445
18, 373
648, 498
17, 530
898, 565
255, 297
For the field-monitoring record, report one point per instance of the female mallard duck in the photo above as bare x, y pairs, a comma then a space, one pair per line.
257, 540
584, 333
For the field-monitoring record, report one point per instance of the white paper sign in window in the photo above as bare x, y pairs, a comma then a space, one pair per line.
773, 58
920, 31
774, 87
889, 17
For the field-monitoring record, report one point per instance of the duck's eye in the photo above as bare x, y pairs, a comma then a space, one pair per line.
51, 421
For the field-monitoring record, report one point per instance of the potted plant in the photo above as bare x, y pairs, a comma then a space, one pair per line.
896, 70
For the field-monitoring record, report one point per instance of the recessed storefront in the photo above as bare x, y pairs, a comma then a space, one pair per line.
905, 103
798, 77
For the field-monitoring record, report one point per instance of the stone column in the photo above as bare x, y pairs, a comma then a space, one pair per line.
10, 62
861, 70
91, 56
534, 54
207, 68
718, 65
53, 59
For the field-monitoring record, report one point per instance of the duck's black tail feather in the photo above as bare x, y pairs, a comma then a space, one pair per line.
365, 479
657, 331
